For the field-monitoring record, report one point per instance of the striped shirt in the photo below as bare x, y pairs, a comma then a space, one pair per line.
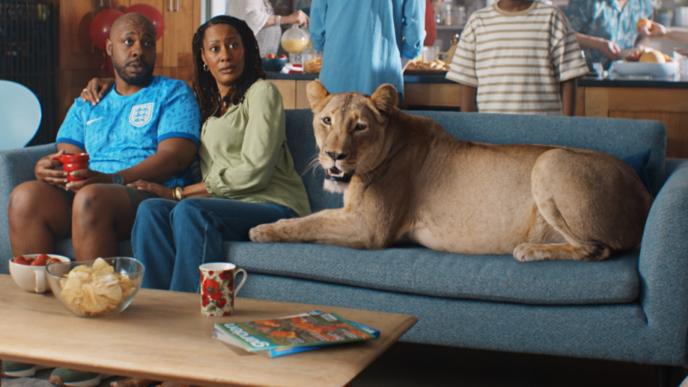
517, 60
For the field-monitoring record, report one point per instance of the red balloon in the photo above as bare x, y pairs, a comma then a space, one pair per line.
152, 14
99, 29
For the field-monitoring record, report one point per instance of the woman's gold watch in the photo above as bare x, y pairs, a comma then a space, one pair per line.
178, 193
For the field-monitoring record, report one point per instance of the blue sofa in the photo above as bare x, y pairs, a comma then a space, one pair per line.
632, 307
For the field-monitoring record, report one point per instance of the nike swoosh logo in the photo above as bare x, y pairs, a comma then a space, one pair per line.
92, 120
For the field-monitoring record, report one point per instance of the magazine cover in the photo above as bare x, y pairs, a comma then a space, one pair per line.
293, 334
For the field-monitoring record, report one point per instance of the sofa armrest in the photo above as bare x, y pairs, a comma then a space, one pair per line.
16, 166
663, 262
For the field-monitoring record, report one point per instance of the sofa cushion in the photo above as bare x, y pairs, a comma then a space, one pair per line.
422, 271
639, 162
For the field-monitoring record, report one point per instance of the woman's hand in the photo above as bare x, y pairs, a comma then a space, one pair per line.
298, 17
95, 89
155, 188
651, 28
609, 49
48, 169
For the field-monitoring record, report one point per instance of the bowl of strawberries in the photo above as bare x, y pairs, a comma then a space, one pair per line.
28, 270
271, 62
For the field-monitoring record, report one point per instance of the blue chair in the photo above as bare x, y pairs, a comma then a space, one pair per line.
21, 115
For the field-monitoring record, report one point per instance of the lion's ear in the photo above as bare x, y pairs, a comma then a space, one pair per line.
316, 93
385, 97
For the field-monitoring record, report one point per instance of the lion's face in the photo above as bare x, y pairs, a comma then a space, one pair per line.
350, 131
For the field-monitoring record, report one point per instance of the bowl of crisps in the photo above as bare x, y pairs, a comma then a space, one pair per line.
102, 287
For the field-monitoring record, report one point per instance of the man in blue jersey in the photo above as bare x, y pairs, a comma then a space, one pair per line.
145, 127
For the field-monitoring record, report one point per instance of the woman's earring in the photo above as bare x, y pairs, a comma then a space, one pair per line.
205, 67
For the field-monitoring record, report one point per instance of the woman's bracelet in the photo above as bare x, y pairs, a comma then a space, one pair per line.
278, 20
177, 193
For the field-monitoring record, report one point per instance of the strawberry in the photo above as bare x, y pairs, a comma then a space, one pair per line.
20, 259
40, 260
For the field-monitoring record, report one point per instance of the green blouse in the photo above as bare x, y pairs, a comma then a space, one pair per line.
244, 154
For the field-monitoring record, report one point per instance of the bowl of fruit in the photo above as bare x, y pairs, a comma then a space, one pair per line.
28, 270
272, 62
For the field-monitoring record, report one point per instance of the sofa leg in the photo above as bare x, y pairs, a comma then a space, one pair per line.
683, 377
668, 376
663, 376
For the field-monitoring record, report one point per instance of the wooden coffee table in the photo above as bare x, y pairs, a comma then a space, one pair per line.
163, 336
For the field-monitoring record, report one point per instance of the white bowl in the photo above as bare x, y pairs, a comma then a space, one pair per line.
655, 70
32, 278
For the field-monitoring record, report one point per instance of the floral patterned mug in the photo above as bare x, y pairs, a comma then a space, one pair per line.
218, 289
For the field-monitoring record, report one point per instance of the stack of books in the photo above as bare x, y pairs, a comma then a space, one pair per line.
293, 334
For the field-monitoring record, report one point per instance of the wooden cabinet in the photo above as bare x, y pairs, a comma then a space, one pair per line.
418, 95
287, 88
293, 93
432, 95
668, 105
181, 18
79, 60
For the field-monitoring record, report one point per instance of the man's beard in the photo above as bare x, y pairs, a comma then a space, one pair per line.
141, 79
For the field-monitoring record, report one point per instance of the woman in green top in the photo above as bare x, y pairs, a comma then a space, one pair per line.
248, 172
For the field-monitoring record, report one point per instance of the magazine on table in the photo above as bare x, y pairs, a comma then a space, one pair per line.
292, 334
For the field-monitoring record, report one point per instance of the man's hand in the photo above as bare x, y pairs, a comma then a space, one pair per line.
49, 170
95, 89
87, 177
155, 188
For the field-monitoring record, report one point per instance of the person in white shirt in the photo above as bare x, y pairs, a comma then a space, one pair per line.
261, 18
519, 57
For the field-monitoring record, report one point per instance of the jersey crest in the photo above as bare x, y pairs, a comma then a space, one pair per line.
141, 114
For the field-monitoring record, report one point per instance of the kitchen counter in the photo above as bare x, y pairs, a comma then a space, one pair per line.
646, 83
408, 78
583, 82
422, 90
661, 100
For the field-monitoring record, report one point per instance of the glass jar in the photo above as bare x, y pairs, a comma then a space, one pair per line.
295, 39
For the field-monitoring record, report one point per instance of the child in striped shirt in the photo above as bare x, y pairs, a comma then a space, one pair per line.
518, 56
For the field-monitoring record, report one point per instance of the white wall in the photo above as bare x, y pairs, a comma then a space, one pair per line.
217, 7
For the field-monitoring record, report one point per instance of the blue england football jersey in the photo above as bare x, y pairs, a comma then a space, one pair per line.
121, 131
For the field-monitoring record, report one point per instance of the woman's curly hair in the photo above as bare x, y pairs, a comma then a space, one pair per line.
204, 84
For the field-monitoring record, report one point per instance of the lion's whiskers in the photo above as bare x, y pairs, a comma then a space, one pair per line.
311, 165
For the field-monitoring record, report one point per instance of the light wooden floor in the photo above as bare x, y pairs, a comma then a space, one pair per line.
423, 365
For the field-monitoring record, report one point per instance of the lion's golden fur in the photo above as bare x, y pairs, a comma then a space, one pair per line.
411, 180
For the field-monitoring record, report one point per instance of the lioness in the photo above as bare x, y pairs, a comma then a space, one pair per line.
408, 179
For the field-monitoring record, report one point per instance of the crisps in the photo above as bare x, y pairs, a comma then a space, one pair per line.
95, 290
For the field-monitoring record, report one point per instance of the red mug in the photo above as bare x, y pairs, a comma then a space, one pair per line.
73, 162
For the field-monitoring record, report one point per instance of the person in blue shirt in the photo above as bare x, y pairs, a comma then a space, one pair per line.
364, 42
606, 27
145, 127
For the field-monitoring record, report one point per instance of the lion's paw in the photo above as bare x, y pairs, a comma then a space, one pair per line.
526, 252
262, 233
